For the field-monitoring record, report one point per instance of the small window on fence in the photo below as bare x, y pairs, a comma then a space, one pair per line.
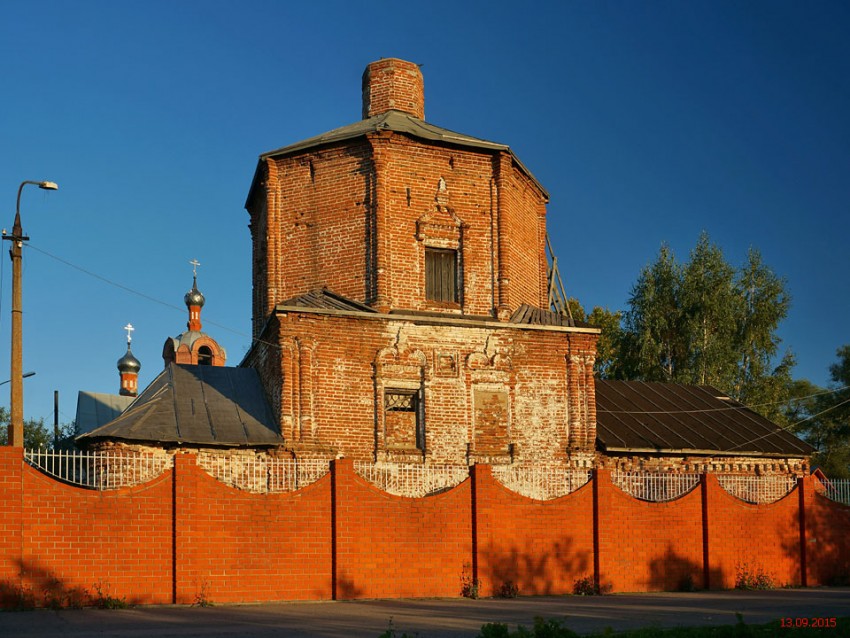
404, 422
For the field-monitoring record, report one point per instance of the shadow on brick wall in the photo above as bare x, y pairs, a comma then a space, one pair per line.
537, 573
674, 572
827, 543
38, 586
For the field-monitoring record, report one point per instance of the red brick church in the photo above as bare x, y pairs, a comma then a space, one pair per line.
401, 314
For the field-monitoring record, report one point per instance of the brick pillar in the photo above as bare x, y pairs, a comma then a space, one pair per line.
184, 567
502, 168
11, 517
603, 529
482, 525
804, 487
706, 555
342, 476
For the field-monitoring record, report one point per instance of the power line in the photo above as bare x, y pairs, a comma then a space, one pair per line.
144, 295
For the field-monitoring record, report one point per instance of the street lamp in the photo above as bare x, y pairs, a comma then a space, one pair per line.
25, 375
16, 407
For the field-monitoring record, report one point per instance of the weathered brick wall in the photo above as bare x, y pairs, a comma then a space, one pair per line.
391, 83
718, 464
356, 218
184, 537
332, 389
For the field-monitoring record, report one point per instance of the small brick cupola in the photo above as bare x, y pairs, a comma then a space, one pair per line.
392, 84
193, 347
128, 369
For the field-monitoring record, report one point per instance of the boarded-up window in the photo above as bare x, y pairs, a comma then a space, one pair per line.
403, 419
441, 275
491, 421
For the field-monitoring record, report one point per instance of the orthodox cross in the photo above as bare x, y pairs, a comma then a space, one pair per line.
129, 328
195, 263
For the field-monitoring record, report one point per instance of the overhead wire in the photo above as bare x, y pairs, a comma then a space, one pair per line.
274, 345
143, 295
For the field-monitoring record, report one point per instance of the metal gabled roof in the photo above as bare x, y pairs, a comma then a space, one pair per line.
95, 409
397, 122
639, 416
324, 298
534, 316
199, 405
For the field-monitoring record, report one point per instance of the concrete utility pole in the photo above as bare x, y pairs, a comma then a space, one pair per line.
16, 408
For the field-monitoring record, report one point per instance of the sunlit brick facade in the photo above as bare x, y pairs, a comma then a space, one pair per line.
396, 269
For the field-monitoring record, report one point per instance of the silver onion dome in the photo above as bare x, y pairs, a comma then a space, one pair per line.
129, 363
194, 297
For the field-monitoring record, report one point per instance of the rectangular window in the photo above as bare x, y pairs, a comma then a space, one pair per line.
404, 418
441, 275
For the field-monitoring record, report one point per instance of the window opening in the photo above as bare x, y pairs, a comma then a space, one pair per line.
441, 275
205, 356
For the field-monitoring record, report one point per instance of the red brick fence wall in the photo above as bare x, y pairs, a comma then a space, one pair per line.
184, 537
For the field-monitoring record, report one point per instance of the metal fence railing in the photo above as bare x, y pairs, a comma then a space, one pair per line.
263, 474
655, 487
99, 470
757, 489
835, 489
404, 479
541, 483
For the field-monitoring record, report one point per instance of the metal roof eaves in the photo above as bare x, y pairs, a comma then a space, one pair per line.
400, 122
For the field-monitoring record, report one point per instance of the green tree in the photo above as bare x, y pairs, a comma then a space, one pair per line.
833, 420
608, 346
765, 303
37, 434
705, 322
709, 308
653, 342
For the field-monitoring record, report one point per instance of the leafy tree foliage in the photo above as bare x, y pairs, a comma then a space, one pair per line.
37, 434
706, 322
608, 346
823, 418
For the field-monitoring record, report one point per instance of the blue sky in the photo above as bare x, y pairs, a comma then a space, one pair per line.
648, 122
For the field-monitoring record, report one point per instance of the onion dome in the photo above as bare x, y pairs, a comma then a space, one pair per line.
129, 363
194, 297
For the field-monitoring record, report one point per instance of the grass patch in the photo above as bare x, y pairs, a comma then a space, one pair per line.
557, 629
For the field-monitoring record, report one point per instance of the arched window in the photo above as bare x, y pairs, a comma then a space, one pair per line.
205, 356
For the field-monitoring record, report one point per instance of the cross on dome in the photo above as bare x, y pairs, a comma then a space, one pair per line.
129, 328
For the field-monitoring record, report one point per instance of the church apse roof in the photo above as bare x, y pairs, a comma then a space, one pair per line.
197, 405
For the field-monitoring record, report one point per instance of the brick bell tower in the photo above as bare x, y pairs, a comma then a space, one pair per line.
400, 299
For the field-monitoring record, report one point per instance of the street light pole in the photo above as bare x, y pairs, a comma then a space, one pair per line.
16, 424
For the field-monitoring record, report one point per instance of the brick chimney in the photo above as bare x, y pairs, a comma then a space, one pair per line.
390, 84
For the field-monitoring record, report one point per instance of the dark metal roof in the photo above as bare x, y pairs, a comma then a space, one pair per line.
324, 298
540, 317
201, 405
638, 416
96, 408
399, 122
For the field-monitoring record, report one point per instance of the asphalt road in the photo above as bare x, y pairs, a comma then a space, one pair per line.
429, 618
